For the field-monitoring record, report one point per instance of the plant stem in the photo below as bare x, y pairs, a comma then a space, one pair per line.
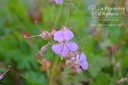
50, 75
59, 15
68, 14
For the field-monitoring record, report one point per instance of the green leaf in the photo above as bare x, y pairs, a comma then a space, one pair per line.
97, 64
35, 78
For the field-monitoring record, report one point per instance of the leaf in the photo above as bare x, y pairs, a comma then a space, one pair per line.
94, 69
102, 79
97, 64
35, 78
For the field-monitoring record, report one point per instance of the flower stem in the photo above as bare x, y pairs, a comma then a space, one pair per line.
50, 75
68, 14
59, 15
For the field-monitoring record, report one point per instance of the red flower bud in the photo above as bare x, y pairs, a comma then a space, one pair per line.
44, 49
52, 32
46, 35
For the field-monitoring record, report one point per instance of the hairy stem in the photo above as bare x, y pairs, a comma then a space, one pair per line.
50, 75
59, 15
68, 14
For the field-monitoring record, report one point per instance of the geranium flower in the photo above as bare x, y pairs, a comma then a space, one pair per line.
83, 62
64, 46
57, 1
77, 62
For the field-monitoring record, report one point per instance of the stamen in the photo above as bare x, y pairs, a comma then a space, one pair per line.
25, 36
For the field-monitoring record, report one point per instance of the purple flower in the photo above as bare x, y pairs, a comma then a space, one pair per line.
57, 1
83, 62
2, 75
64, 46
80, 63
77, 62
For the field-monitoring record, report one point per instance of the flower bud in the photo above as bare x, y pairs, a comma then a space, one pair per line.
44, 49
38, 55
46, 35
64, 28
78, 70
68, 63
52, 32
77, 62
71, 55
126, 8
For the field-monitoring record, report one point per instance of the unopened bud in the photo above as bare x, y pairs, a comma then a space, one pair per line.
126, 5
117, 66
68, 63
44, 49
126, 8
52, 32
78, 70
71, 55
77, 62
38, 55
64, 28
46, 35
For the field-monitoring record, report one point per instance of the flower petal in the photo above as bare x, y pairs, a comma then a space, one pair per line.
72, 46
82, 57
65, 51
84, 65
59, 1
2, 76
58, 36
57, 48
68, 35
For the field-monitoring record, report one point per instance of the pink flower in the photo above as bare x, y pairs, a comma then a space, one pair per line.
82, 61
57, 1
79, 63
64, 46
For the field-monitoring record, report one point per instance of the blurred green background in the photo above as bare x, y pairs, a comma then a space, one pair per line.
106, 47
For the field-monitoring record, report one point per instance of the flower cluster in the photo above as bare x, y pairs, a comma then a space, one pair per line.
74, 58
76, 61
68, 50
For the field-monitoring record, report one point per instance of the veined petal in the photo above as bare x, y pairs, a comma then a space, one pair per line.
84, 65
65, 51
57, 48
82, 57
59, 1
72, 46
58, 36
68, 35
